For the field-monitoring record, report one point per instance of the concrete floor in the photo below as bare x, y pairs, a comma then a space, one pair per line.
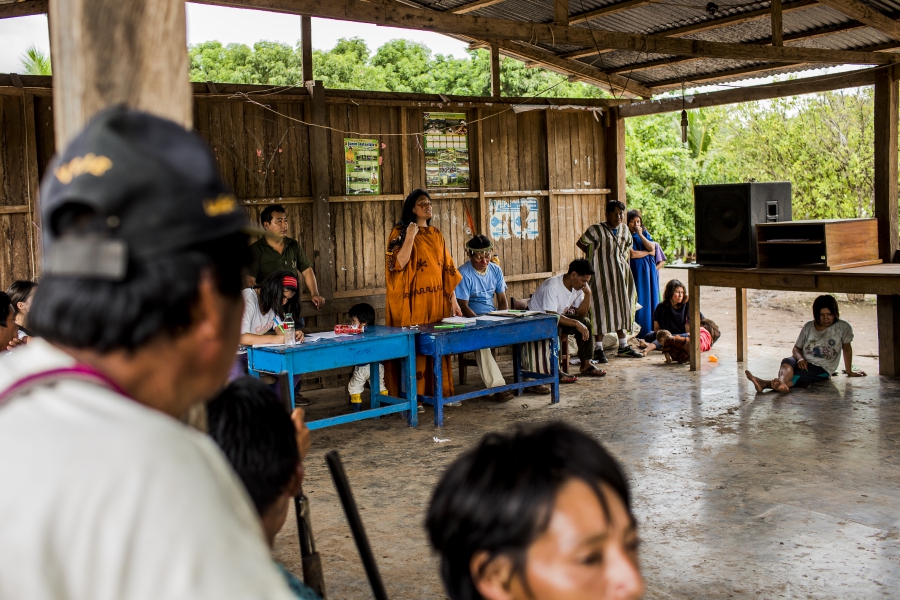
737, 495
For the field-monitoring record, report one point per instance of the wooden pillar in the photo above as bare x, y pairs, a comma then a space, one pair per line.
495, 71
560, 12
306, 65
615, 156
323, 232
694, 316
777, 24
740, 319
108, 52
483, 210
885, 184
34, 186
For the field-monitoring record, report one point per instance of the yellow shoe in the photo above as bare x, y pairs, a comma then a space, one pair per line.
355, 398
383, 392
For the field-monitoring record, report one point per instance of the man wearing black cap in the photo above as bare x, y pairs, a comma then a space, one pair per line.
106, 495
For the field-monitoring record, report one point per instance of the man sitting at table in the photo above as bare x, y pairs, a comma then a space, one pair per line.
569, 296
481, 280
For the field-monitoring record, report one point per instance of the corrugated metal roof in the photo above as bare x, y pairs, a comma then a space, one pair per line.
809, 26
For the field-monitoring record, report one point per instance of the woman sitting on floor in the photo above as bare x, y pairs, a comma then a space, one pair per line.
817, 352
671, 314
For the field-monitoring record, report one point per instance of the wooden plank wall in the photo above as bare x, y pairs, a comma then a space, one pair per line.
556, 156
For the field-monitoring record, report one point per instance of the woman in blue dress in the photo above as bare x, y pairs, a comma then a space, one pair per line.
643, 268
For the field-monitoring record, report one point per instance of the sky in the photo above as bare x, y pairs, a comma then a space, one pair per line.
229, 25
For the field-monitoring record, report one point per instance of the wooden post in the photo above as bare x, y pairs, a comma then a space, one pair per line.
306, 65
740, 319
34, 186
107, 52
560, 12
323, 233
495, 71
615, 156
885, 184
777, 24
483, 212
694, 297
404, 151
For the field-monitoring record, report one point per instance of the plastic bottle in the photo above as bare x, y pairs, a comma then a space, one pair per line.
288, 330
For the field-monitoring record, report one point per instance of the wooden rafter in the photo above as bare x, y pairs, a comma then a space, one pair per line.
781, 89
794, 37
865, 14
467, 8
607, 10
393, 14
23, 9
730, 20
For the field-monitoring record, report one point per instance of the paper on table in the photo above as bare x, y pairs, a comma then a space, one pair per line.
268, 345
460, 320
493, 318
325, 335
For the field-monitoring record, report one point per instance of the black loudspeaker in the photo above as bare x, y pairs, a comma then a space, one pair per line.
725, 218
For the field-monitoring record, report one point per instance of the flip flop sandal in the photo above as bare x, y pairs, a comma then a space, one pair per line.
563, 378
593, 372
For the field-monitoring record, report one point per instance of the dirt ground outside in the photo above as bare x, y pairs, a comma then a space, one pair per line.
679, 436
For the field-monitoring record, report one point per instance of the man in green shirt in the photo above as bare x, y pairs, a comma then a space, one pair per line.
277, 251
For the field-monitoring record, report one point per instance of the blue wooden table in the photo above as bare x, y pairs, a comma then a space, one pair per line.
377, 344
438, 343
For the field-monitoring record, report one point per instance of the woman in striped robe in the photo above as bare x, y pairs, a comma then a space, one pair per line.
608, 248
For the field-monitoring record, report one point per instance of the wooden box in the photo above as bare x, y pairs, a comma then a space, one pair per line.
828, 245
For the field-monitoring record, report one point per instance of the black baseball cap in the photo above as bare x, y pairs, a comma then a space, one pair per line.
144, 186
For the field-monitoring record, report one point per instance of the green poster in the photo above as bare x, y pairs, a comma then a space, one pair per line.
446, 150
363, 165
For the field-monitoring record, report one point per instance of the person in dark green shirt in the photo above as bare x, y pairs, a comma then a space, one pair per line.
276, 251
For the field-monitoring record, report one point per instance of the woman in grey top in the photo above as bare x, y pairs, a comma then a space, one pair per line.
817, 353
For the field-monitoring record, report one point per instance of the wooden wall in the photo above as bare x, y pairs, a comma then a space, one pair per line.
263, 148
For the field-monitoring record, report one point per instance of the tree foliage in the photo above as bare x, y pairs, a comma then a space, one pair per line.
35, 62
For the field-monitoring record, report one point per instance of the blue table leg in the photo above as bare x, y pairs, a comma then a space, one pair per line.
290, 371
438, 391
517, 367
411, 387
374, 385
554, 369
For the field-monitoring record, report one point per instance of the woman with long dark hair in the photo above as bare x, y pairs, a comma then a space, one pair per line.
671, 315
817, 353
421, 284
643, 269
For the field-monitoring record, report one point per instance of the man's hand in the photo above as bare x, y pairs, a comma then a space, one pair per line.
585, 334
303, 440
318, 301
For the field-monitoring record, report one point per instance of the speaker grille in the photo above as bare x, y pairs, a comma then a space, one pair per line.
723, 224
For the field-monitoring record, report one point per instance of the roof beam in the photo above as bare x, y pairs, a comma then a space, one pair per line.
781, 89
467, 8
865, 14
388, 13
606, 11
23, 9
793, 37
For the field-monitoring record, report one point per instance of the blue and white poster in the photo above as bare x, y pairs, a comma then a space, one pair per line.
514, 219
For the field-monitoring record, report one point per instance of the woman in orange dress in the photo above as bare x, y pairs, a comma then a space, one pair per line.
421, 284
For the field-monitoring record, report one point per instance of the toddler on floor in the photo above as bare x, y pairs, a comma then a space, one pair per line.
362, 314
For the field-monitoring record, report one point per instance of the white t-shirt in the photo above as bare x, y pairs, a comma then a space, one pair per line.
103, 498
823, 348
553, 296
254, 321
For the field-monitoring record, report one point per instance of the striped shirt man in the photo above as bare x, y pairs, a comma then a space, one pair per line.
608, 250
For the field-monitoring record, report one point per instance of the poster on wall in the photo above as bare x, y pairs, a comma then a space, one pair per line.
446, 150
363, 166
514, 219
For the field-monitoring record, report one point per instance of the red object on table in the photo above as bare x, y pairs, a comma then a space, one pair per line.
353, 329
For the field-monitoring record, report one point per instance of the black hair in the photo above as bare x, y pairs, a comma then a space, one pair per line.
5, 305
271, 292
364, 313
712, 328
825, 301
633, 214
251, 426
612, 205
408, 216
673, 285
581, 266
155, 298
499, 496
18, 291
266, 215
478, 242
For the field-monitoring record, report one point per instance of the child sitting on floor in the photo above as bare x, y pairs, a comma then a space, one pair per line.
362, 314
677, 348
265, 447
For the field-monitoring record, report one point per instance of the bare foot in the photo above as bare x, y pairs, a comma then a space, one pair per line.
756, 382
780, 386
